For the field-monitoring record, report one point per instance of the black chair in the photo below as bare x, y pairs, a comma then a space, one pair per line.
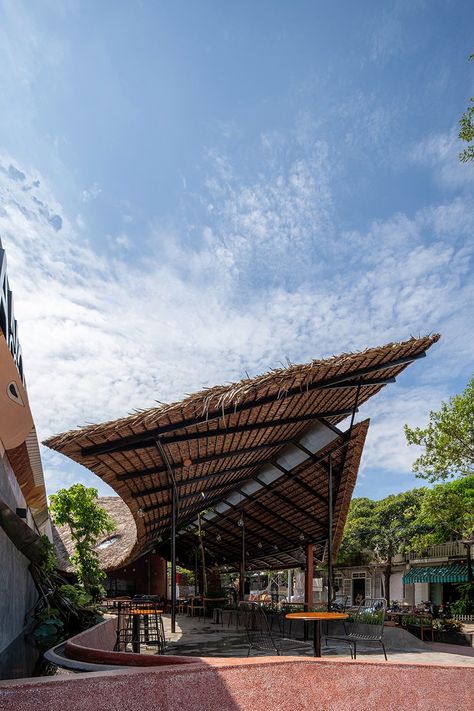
259, 634
367, 625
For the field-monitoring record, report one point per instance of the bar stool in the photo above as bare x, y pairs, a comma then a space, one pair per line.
139, 623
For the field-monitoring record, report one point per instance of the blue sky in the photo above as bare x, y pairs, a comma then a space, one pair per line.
193, 191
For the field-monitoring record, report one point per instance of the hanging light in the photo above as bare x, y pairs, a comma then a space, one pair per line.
218, 537
240, 522
260, 544
160, 539
203, 494
141, 513
275, 547
301, 536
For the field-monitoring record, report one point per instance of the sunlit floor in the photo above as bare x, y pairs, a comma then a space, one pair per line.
203, 638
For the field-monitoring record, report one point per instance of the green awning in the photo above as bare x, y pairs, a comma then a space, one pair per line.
437, 574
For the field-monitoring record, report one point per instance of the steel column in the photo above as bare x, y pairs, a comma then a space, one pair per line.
174, 506
330, 512
308, 578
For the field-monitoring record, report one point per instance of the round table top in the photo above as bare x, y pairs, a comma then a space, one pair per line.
317, 616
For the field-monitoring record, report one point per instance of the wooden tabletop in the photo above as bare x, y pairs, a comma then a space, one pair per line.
146, 611
317, 616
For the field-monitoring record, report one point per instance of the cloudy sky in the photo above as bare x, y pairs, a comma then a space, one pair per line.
190, 192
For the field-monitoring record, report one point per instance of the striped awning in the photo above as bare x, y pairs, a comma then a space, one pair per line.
456, 573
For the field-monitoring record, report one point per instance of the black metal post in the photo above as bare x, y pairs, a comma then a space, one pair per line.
196, 572
173, 560
174, 505
242, 565
330, 534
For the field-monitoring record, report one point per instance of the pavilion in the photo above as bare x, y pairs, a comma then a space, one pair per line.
265, 459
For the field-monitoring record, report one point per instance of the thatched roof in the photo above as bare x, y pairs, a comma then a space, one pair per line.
221, 438
123, 538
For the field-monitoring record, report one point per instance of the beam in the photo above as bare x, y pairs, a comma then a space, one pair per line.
288, 502
249, 427
231, 534
209, 458
205, 477
284, 521
350, 377
319, 459
219, 487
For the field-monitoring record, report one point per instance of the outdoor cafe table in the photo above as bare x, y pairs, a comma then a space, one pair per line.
136, 615
316, 618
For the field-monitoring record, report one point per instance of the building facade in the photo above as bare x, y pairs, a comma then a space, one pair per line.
23, 503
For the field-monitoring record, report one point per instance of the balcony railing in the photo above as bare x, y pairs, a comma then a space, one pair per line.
451, 549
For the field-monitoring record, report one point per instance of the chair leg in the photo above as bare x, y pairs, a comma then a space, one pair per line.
384, 652
355, 650
248, 652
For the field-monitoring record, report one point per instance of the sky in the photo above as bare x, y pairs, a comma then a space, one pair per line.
192, 192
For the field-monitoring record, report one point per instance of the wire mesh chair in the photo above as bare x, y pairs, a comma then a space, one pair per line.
259, 634
367, 625
138, 623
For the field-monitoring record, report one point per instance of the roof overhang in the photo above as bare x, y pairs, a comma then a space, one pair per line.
261, 445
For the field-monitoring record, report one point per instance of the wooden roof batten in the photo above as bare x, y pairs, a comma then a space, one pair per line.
220, 441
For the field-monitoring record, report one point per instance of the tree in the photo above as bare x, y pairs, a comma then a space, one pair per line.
77, 507
466, 131
448, 439
446, 513
378, 530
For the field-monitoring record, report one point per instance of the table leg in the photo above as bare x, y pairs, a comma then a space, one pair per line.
136, 634
317, 638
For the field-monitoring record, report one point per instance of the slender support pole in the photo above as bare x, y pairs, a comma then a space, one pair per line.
242, 564
174, 506
308, 578
173, 560
196, 572
330, 510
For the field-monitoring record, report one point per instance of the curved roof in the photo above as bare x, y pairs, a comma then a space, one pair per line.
220, 442
122, 539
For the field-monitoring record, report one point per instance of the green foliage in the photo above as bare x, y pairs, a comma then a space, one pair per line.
447, 625
49, 561
466, 131
447, 440
377, 530
77, 507
446, 513
464, 606
75, 595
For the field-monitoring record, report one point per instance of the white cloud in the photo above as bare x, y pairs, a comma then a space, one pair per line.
91, 193
440, 151
101, 337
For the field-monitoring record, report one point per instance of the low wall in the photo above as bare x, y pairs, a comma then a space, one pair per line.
96, 645
251, 685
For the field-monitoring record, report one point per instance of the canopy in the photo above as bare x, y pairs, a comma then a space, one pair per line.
456, 573
262, 447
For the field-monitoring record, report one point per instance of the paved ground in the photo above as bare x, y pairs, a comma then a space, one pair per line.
196, 637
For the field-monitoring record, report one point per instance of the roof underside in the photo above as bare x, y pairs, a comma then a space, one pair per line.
260, 446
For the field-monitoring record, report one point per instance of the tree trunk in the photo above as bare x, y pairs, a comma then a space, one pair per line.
386, 579
467, 545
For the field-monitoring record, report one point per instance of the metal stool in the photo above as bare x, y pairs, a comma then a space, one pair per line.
139, 623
